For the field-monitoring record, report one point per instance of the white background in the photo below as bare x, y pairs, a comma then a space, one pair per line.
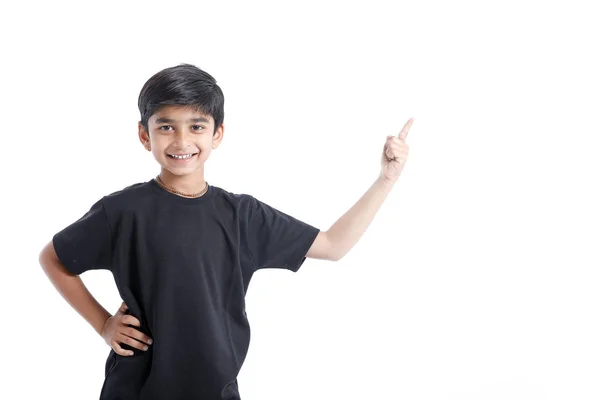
478, 278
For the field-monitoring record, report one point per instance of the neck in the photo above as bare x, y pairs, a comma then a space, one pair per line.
189, 184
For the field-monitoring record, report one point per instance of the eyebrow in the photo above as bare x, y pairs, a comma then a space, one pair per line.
164, 120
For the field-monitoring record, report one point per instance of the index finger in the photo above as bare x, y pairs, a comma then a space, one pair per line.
404, 132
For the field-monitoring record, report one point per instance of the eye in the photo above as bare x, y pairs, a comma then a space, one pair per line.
165, 126
197, 127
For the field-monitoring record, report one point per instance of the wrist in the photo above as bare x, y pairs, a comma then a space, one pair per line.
386, 182
103, 325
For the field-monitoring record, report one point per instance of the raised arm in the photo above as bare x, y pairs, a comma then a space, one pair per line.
349, 228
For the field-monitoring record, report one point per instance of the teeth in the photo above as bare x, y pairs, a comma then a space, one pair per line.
181, 157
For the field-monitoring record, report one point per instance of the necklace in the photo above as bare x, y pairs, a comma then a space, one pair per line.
170, 189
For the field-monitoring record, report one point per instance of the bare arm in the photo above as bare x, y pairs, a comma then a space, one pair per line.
73, 290
349, 228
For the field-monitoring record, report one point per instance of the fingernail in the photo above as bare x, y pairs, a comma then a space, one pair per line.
131, 353
145, 348
149, 341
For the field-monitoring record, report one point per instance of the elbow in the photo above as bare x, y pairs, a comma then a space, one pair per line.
327, 248
47, 254
334, 252
43, 257
50, 262
336, 256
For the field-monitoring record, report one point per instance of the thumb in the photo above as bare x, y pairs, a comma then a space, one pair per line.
123, 308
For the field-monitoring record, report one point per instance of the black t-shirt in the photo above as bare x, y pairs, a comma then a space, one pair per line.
182, 266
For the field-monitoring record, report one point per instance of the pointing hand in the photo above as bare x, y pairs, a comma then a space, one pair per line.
395, 153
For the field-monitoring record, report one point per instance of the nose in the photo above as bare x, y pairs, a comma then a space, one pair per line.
181, 138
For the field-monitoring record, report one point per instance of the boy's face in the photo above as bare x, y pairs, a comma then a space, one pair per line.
180, 139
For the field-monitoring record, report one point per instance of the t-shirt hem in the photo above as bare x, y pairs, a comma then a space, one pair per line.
60, 250
305, 244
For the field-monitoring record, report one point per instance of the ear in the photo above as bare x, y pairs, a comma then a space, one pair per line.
143, 136
218, 136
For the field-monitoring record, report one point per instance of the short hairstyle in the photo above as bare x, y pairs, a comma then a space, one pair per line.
185, 85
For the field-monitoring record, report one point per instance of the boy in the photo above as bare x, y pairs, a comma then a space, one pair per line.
182, 251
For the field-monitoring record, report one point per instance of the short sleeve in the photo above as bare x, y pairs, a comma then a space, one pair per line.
275, 239
86, 243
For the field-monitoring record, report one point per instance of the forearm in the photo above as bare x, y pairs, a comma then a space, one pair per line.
347, 230
73, 290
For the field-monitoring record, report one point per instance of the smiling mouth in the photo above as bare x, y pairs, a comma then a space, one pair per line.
182, 156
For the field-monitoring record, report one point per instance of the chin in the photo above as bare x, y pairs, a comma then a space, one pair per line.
181, 171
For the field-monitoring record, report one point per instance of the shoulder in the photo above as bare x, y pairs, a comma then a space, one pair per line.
129, 196
244, 205
232, 197
134, 190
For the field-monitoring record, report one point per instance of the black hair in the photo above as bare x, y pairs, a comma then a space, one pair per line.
185, 85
